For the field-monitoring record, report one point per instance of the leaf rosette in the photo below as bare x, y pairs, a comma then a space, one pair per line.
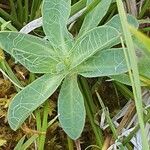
61, 58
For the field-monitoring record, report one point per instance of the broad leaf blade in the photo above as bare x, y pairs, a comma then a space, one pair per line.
55, 16
32, 52
71, 108
104, 63
30, 98
124, 79
141, 40
144, 71
92, 42
94, 17
116, 23
144, 67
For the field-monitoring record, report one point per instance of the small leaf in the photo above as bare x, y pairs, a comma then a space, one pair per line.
31, 97
20, 143
104, 63
31, 140
71, 108
116, 23
34, 53
144, 67
94, 17
143, 40
55, 16
124, 79
93, 41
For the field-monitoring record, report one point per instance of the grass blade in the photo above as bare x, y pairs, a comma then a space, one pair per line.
135, 74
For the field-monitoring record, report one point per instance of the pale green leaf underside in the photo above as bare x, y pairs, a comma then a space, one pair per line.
144, 67
104, 63
34, 53
142, 41
30, 98
141, 50
94, 17
55, 16
144, 70
93, 41
124, 79
71, 108
115, 22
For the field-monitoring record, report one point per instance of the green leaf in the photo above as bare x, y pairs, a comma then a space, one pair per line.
144, 67
34, 53
55, 16
104, 63
71, 108
31, 97
116, 23
94, 17
31, 140
143, 40
94, 40
124, 79
20, 143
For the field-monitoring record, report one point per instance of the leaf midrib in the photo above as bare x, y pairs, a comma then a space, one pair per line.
98, 49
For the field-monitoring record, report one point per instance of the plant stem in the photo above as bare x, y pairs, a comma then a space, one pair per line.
29, 142
91, 6
44, 125
88, 95
26, 11
124, 90
38, 124
89, 110
109, 121
5, 67
146, 29
130, 136
20, 11
13, 10
9, 17
145, 7
109, 14
70, 143
34, 8
77, 7
134, 75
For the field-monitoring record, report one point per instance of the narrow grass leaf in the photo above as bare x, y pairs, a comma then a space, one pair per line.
30, 98
71, 108
143, 39
20, 143
134, 75
9, 26
27, 144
